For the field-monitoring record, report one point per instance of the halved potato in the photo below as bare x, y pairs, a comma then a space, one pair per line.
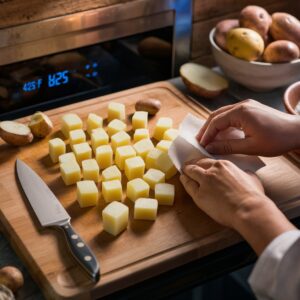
202, 81
40, 125
15, 133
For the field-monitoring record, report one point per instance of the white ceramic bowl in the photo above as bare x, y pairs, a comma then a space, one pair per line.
257, 76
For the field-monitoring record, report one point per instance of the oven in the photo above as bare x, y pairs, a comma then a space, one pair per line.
62, 60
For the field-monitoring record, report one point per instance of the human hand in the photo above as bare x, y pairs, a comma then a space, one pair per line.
268, 131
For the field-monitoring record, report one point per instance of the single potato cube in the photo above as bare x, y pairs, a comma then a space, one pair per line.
66, 157
161, 126
165, 164
134, 167
115, 126
120, 138
93, 121
137, 188
142, 147
152, 157
82, 151
87, 193
90, 170
140, 119
140, 134
122, 153
116, 111
57, 147
77, 136
99, 137
165, 193
115, 218
164, 145
70, 122
70, 172
112, 190
153, 176
111, 173
171, 134
145, 209
104, 156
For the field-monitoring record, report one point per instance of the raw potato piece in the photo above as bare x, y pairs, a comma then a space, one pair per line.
90, 170
99, 138
145, 209
93, 122
115, 218
134, 167
140, 119
70, 122
66, 157
87, 193
120, 139
164, 145
57, 147
123, 153
77, 136
171, 134
165, 193
153, 177
40, 125
115, 126
116, 111
165, 164
70, 172
202, 81
140, 134
142, 147
152, 157
15, 133
161, 126
104, 156
112, 190
111, 173
82, 151
137, 188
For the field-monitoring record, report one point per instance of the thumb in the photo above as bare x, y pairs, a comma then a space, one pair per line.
238, 146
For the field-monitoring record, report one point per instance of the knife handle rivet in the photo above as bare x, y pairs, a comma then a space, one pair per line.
87, 258
80, 245
74, 236
67, 226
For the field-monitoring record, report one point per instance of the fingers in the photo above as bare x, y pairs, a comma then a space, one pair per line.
194, 172
190, 185
241, 146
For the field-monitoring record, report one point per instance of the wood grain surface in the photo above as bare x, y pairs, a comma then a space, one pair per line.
180, 234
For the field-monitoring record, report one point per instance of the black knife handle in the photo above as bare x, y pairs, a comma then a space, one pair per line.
81, 252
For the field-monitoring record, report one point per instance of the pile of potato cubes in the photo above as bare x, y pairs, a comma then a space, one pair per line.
114, 153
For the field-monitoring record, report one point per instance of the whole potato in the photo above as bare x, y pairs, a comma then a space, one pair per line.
245, 43
281, 51
221, 31
256, 18
285, 27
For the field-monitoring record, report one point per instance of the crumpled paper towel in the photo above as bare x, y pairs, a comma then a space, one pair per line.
185, 147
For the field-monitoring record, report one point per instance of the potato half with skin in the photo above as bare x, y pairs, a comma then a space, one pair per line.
11, 277
256, 18
40, 125
281, 51
221, 31
202, 81
245, 44
285, 27
15, 133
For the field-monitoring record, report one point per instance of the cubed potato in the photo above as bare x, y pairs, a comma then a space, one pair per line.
66, 157
82, 151
119, 139
154, 176
93, 122
152, 157
142, 147
115, 218
99, 137
134, 167
116, 111
164, 145
115, 126
137, 188
87, 193
112, 190
140, 119
161, 126
77, 136
90, 170
165, 193
104, 156
140, 134
70, 122
111, 173
165, 164
171, 134
70, 172
57, 147
123, 153
145, 209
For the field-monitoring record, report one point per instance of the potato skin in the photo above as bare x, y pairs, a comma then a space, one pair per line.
285, 27
245, 44
256, 18
221, 31
281, 51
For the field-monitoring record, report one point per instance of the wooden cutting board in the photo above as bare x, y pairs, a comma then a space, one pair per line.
180, 234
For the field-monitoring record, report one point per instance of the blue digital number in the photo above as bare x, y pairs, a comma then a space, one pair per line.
58, 78
30, 86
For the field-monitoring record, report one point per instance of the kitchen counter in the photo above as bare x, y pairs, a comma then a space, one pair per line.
194, 273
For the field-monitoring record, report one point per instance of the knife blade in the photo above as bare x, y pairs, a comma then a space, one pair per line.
50, 212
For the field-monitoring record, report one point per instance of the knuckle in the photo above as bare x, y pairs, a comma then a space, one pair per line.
227, 148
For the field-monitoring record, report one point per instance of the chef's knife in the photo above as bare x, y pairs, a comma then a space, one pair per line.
50, 212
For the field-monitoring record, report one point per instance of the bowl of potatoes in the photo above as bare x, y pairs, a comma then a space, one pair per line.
259, 51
